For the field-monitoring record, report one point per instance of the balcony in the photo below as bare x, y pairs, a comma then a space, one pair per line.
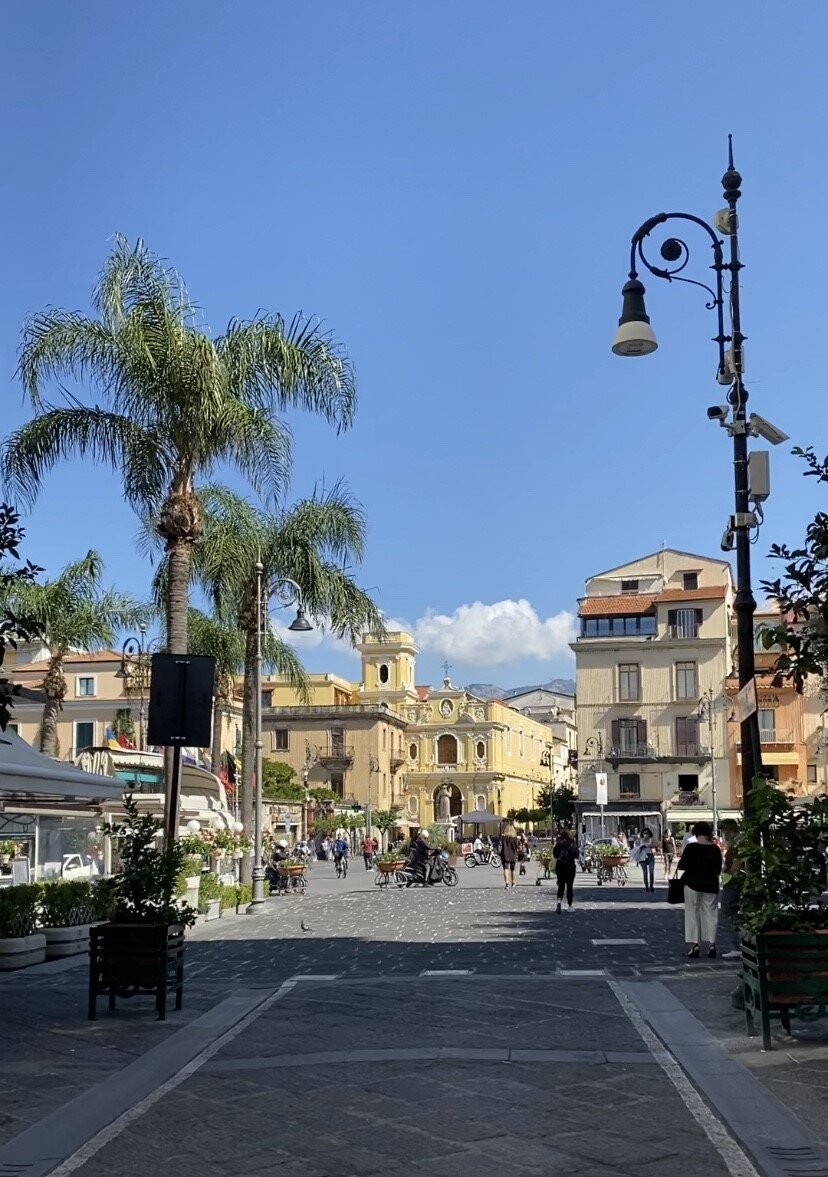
775, 736
685, 632
630, 751
397, 762
691, 797
337, 754
679, 753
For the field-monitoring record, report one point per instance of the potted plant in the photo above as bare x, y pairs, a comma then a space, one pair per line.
784, 925
209, 896
389, 861
291, 867
6, 853
66, 912
20, 942
140, 950
189, 881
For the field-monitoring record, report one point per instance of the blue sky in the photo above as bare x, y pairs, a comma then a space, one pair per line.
452, 188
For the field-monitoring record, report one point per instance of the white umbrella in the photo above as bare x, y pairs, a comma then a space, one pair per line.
481, 817
25, 772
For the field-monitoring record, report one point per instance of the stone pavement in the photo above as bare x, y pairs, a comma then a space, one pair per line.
453, 1027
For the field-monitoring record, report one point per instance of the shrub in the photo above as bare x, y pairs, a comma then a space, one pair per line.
18, 910
228, 897
244, 894
144, 891
66, 904
102, 899
210, 888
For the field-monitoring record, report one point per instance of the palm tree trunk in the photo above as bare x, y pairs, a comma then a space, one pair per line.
48, 728
179, 560
246, 783
218, 716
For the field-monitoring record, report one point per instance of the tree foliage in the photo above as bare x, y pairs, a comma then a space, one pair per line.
802, 594
14, 625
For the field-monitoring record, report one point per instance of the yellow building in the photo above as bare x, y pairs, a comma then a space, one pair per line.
387, 742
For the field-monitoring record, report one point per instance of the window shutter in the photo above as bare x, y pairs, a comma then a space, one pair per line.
699, 616
616, 733
642, 731
671, 616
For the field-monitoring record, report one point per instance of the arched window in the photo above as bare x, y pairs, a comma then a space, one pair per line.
412, 751
481, 749
446, 750
383, 674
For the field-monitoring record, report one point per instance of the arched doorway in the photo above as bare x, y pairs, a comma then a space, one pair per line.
455, 800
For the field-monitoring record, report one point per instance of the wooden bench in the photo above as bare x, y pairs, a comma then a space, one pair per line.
784, 976
132, 960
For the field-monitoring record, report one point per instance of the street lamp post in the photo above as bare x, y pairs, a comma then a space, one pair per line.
299, 625
635, 337
707, 706
136, 650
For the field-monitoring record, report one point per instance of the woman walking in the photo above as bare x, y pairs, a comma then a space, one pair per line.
508, 855
701, 862
565, 853
645, 857
668, 852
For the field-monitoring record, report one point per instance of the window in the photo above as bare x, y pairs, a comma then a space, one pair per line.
338, 741
15, 727
520, 743
480, 749
629, 784
84, 686
337, 783
279, 738
629, 586
630, 736
767, 720
412, 751
684, 623
688, 782
383, 674
812, 772
690, 580
267, 699
629, 682
686, 680
622, 626
507, 741
384, 738
84, 736
446, 750
687, 735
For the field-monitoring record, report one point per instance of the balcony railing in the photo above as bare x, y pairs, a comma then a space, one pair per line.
691, 797
685, 631
673, 751
337, 751
632, 752
773, 735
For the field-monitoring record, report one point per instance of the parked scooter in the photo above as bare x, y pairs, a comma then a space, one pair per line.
484, 857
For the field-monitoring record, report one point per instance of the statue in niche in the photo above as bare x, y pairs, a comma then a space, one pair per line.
443, 800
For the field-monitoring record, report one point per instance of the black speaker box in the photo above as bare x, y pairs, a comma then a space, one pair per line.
181, 700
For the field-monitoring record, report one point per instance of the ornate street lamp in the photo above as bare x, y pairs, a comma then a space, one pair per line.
288, 593
635, 337
134, 670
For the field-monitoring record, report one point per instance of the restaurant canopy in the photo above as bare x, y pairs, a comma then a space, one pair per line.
26, 773
481, 817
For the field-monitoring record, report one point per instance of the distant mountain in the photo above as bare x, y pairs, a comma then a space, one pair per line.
564, 686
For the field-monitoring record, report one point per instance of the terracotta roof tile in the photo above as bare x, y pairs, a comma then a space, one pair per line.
712, 593
69, 660
615, 606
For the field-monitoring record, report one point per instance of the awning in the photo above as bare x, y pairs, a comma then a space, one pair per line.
769, 757
27, 773
481, 817
691, 813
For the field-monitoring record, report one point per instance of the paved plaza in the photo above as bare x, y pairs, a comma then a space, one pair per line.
355, 1028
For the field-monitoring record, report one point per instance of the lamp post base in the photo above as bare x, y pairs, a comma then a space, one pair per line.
257, 901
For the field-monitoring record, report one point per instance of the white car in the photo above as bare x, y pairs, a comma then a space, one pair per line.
74, 867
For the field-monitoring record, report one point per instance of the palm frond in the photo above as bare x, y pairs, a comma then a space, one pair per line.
290, 365
58, 342
107, 438
132, 274
280, 658
258, 445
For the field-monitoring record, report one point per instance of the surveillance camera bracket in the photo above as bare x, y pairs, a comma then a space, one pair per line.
744, 519
735, 428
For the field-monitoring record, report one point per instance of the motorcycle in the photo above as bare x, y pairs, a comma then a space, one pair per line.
437, 870
484, 857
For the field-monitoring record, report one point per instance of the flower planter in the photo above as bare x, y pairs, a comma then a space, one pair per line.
291, 871
192, 884
132, 960
18, 952
785, 975
388, 868
213, 910
614, 859
62, 942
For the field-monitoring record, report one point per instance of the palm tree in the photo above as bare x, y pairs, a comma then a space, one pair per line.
312, 543
72, 612
172, 402
224, 641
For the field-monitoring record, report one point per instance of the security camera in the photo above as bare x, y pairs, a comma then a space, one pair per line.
718, 413
759, 427
728, 540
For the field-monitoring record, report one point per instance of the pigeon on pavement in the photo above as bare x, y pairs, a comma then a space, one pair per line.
305, 927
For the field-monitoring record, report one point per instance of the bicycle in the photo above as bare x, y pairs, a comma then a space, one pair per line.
341, 866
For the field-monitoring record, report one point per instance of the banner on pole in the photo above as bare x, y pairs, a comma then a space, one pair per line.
601, 788
746, 701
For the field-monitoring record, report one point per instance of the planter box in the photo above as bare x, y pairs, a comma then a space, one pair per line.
388, 868
66, 941
291, 871
18, 952
213, 910
133, 960
785, 975
192, 884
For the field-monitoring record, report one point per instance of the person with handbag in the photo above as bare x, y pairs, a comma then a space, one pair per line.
645, 857
701, 864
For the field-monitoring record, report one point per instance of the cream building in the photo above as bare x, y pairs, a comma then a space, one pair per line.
655, 636
388, 742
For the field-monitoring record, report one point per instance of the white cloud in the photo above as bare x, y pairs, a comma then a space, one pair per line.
488, 635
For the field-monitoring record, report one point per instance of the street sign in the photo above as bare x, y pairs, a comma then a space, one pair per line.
600, 788
746, 701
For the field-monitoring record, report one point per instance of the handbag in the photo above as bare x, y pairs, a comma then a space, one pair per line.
675, 890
